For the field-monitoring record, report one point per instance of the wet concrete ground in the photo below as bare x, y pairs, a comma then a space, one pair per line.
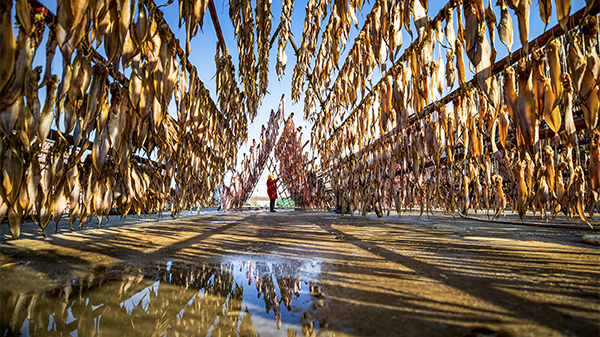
300, 274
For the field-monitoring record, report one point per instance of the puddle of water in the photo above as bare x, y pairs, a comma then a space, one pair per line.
238, 297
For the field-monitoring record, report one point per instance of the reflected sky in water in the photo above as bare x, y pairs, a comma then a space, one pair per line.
238, 297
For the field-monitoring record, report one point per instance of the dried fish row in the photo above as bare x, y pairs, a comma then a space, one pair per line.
315, 13
192, 13
230, 99
396, 168
398, 92
263, 34
373, 40
333, 38
293, 176
243, 184
284, 33
240, 13
90, 168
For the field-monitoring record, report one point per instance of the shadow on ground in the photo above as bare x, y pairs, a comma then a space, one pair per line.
436, 276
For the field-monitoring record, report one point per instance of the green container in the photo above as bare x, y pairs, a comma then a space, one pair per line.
285, 202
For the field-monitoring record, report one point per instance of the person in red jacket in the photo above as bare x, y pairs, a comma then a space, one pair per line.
272, 190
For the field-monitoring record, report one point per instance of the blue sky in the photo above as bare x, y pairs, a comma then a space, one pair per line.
203, 48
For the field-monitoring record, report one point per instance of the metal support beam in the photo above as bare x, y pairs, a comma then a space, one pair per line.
215, 21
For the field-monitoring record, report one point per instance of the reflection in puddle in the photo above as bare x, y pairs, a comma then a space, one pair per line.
239, 297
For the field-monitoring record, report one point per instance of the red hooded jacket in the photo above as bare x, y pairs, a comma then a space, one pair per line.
272, 188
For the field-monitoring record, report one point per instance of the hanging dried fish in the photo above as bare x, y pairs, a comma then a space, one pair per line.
568, 106
490, 20
545, 11
590, 94
8, 46
594, 173
505, 27
450, 73
450, 36
551, 113
284, 31
553, 50
523, 11
420, 18
522, 191
504, 123
526, 109
71, 27
460, 63
563, 10
26, 46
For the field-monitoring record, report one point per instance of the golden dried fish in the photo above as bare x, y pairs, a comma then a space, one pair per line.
510, 92
494, 97
545, 11
551, 113
577, 65
23, 10
15, 214
594, 172
129, 50
589, 92
548, 160
523, 12
47, 113
505, 27
499, 198
28, 121
471, 30
439, 32
563, 10
504, 125
13, 90
8, 46
526, 109
544, 194
589, 29
560, 189
96, 94
538, 78
140, 27
408, 9
460, 63
577, 193
490, 20
64, 85
439, 76
12, 174
521, 186
69, 32
58, 202
553, 50
450, 73
568, 106
450, 36
10, 116
100, 149
75, 193
112, 43
420, 18
460, 32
